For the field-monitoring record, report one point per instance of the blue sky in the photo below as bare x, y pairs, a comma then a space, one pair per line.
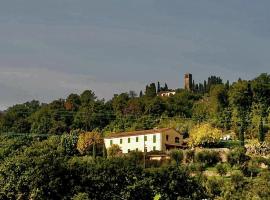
50, 48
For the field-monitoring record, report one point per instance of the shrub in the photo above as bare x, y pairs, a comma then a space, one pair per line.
209, 158
251, 168
135, 157
197, 167
189, 156
81, 196
237, 180
237, 156
222, 169
177, 156
214, 186
114, 150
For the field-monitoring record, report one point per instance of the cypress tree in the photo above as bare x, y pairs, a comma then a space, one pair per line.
261, 131
141, 93
166, 87
158, 87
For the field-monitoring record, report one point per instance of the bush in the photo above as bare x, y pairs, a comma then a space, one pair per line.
237, 156
153, 163
251, 168
214, 186
81, 196
209, 158
189, 156
197, 167
177, 156
176, 183
135, 157
114, 151
237, 180
222, 169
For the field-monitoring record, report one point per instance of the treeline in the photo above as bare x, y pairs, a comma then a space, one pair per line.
242, 107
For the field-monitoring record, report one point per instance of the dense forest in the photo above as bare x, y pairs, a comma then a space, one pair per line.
45, 151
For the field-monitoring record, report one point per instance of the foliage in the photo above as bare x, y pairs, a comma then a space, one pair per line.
114, 151
39, 147
204, 135
222, 169
37, 172
189, 156
88, 141
81, 196
207, 157
176, 183
177, 156
69, 142
237, 156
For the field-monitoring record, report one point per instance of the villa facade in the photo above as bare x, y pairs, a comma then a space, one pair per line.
146, 140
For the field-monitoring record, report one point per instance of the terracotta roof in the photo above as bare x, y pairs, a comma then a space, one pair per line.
133, 133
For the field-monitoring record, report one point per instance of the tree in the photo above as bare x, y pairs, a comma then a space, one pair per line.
73, 102
155, 107
177, 156
151, 90
41, 121
241, 97
114, 150
141, 94
261, 131
119, 103
87, 97
132, 94
222, 169
261, 90
36, 172
237, 156
158, 87
134, 107
204, 135
166, 88
89, 142
175, 183
16, 118
69, 142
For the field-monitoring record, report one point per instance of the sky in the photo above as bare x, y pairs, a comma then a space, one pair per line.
51, 48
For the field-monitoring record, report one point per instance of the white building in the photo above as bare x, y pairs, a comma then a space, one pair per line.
150, 140
167, 93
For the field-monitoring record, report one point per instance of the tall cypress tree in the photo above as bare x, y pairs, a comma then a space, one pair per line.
141, 93
158, 87
261, 131
166, 87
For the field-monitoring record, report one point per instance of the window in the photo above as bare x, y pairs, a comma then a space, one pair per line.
128, 150
167, 138
137, 139
128, 140
154, 148
145, 138
145, 149
177, 140
154, 138
121, 141
111, 142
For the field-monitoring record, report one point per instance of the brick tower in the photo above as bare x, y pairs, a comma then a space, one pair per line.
188, 81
